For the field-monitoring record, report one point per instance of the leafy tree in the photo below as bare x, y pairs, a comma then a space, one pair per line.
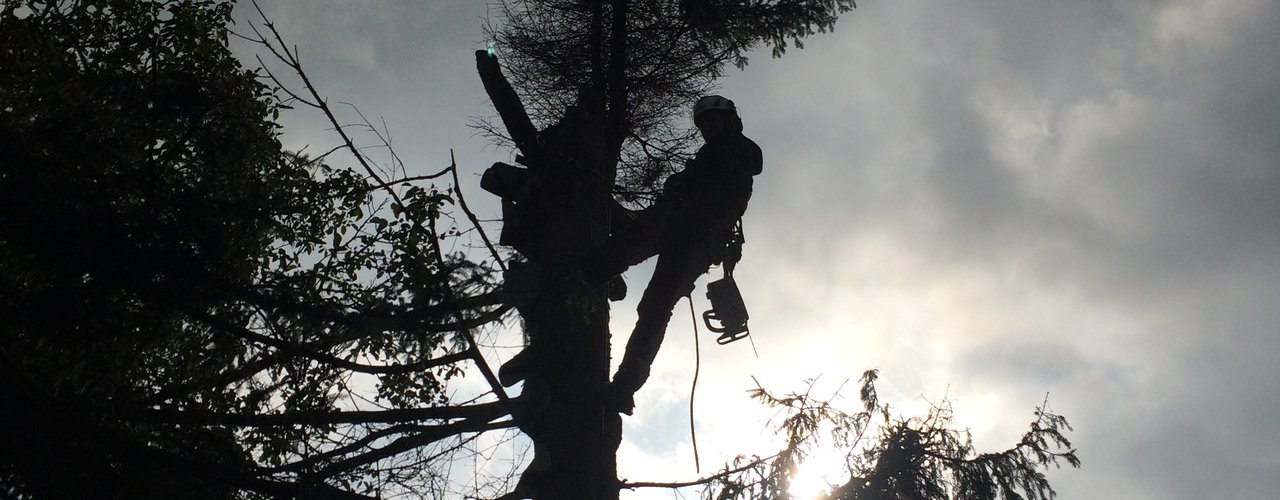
187, 310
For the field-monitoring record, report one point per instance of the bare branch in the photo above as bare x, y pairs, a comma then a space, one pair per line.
509, 107
462, 203
757, 462
427, 436
486, 412
290, 59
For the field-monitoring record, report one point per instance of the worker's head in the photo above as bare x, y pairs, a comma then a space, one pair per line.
714, 115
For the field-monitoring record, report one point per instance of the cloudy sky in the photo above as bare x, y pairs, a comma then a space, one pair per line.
989, 201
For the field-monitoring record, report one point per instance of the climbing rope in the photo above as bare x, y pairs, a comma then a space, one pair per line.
697, 364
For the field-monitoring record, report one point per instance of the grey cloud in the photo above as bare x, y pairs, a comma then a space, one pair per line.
1117, 159
1161, 206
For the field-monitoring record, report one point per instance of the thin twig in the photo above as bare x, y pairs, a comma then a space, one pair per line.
405, 180
290, 58
462, 203
698, 482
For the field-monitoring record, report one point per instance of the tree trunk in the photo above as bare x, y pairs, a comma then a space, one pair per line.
575, 437
563, 204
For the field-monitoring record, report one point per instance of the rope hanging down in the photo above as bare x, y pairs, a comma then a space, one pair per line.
697, 365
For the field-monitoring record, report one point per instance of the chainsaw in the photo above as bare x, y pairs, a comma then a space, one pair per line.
728, 314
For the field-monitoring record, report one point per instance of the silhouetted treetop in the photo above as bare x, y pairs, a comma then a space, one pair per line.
647, 61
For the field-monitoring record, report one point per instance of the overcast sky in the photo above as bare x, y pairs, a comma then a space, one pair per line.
987, 200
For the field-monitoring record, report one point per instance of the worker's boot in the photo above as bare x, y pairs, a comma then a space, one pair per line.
620, 393
642, 348
616, 289
619, 400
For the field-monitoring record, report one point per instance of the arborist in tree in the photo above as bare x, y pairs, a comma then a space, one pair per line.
689, 228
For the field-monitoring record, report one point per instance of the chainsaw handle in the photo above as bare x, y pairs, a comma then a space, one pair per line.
732, 337
708, 317
728, 335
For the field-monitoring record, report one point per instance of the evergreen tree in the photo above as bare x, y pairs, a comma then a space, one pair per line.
594, 106
915, 458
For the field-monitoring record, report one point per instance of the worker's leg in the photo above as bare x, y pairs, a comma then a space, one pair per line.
625, 248
628, 247
673, 278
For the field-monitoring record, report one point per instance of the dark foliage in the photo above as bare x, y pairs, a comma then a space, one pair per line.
652, 59
187, 310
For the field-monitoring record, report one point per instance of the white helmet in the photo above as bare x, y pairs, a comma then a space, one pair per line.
711, 102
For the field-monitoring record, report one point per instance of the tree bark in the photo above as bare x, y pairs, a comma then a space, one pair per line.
562, 405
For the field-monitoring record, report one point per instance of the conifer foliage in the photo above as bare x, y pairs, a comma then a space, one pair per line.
914, 458
643, 62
